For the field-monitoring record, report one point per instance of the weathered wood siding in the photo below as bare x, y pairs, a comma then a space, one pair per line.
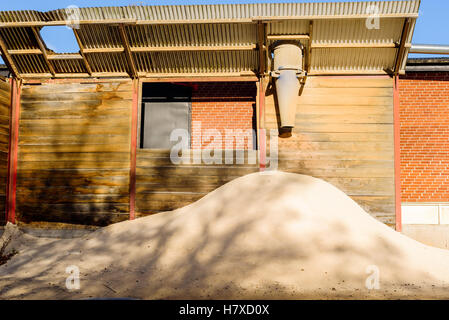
344, 135
74, 152
5, 104
162, 185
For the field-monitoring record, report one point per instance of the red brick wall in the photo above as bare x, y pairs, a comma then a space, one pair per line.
222, 106
424, 114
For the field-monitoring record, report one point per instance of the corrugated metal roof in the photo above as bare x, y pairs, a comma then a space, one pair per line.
355, 31
354, 59
18, 38
197, 62
239, 11
209, 38
192, 35
216, 12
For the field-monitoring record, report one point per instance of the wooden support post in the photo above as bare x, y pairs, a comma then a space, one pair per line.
261, 47
128, 53
8, 59
40, 42
401, 51
12, 151
132, 171
397, 154
309, 48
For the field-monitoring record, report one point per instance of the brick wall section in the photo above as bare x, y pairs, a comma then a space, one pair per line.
222, 106
424, 114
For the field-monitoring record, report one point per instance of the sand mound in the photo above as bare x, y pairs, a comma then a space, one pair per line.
267, 236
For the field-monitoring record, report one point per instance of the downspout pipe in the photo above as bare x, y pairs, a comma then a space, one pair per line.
287, 65
429, 49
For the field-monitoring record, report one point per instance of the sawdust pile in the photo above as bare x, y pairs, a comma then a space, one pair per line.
267, 236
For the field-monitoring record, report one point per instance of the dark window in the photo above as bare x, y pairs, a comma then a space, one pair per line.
165, 107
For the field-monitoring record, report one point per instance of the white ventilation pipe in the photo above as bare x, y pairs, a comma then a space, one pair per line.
429, 49
287, 71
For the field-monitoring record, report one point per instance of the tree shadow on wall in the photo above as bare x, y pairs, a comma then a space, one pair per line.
71, 168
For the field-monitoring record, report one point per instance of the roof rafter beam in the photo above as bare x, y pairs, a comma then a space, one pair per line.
288, 37
128, 53
141, 74
336, 45
8, 59
355, 45
205, 21
172, 48
194, 48
24, 51
328, 17
82, 52
77, 75
68, 56
40, 42
103, 50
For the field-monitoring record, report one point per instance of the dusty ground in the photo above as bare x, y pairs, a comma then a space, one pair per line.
266, 236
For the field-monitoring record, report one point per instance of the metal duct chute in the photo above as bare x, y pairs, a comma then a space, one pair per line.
287, 66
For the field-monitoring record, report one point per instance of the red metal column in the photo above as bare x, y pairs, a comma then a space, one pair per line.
262, 131
12, 151
397, 154
132, 172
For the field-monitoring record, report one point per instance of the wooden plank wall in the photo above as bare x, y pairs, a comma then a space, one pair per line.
162, 185
74, 152
344, 135
5, 104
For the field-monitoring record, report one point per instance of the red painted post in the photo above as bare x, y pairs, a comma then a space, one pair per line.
397, 154
262, 131
12, 85
12, 151
132, 172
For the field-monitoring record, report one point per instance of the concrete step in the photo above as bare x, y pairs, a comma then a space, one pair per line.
56, 233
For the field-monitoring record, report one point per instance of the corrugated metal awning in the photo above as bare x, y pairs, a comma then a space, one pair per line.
234, 39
